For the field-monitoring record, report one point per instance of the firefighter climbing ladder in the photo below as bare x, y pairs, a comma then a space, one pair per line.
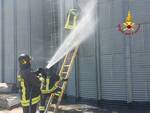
64, 73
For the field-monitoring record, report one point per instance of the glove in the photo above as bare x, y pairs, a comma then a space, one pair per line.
41, 79
58, 91
42, 82
63, 79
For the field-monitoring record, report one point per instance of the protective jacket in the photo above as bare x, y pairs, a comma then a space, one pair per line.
49, 84
29, 86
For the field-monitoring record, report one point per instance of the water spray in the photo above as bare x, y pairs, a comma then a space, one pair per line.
83, 31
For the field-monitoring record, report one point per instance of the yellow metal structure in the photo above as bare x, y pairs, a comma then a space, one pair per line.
72, 17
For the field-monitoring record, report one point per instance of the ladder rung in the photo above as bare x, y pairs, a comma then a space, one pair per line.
53, 105
64, 72
66, 65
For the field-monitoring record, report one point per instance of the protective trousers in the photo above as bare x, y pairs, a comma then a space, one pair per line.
42, 105
33, 109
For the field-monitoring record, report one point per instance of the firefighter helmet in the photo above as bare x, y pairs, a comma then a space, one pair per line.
24, 59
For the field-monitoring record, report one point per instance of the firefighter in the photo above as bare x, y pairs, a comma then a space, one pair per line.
51, 85
29, 85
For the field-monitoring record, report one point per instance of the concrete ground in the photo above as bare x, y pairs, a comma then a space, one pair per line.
80, 106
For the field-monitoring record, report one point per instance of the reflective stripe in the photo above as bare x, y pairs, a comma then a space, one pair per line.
19, 78
54, 88
24, 101
45, 91
51, 90
41, 108
58, 93
27, 102
47, 83
23, 89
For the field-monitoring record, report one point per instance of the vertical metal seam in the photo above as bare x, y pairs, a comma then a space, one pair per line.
15, 40
96, 55
99, 46
77, 74
131, 69
44, 36
30, 26
123, 2
126, 40
3, 42
76, 65
128, 64
61, 21
43, 30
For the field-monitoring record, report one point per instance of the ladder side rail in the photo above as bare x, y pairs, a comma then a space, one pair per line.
60, 97
67, 76
71, 63
49, 103
63, 65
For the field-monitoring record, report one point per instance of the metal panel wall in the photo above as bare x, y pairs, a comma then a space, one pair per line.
51, 28
83, 82
113, 69
140, 52
23, 27
16, 31
9, 41
87, 67
71, 88
30, 30
1, 40
123, 61
112, 51
37, 37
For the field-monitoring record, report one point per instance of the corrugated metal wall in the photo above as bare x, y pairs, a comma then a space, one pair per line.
1, 42
140, 53
87, 67
82, 82
65, 6
118, 66
51, 27
109, 65
112, 51
21, 31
